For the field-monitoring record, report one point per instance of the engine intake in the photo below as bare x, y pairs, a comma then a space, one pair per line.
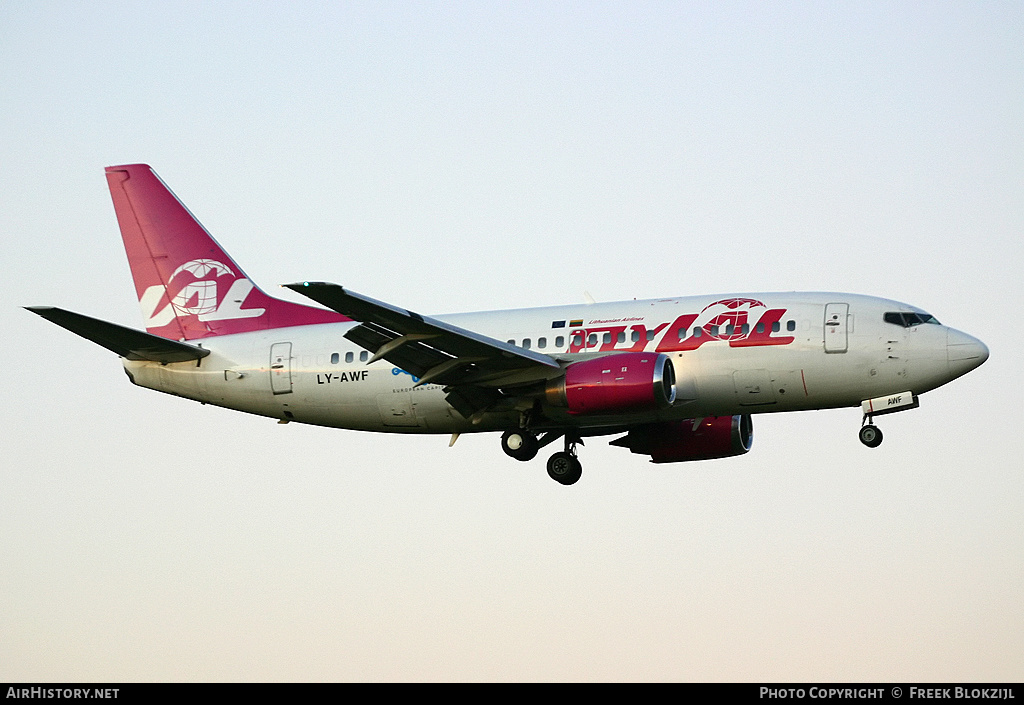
624, 382
691, 439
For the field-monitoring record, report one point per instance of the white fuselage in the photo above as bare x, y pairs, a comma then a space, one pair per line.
742, 354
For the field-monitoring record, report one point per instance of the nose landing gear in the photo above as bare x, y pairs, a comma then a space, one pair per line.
871, 435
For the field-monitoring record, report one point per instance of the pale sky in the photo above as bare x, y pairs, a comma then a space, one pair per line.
477, 155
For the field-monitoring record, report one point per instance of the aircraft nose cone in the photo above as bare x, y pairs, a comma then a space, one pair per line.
964, 352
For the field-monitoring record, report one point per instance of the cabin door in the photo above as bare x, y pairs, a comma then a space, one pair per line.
836, 324
281, 368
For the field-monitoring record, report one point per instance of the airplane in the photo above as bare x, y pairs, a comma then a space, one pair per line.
676, 379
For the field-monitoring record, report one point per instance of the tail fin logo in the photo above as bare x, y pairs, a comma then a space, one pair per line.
201, 287
199, 297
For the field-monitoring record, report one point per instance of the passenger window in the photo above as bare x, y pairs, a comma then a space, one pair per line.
635, 337
790, 325
334, 358
650, 335
349, 357
759, 327
607, 338
559, 341
577, 340
542, 343
526, 343
745, 328
592, 340
697, 332
511, 342
729, 329
714, 330
364, 356
776, 326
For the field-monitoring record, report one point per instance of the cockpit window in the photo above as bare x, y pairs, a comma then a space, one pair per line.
906, 320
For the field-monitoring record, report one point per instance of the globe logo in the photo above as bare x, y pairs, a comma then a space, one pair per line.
735, 304
728, 321
199, 297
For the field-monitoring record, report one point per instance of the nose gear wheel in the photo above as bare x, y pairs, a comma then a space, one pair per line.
870, 435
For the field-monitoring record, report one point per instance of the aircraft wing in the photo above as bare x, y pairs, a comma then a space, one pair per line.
126, 342
472, 365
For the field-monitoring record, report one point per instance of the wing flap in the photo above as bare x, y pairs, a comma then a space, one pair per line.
127, 342
400, 350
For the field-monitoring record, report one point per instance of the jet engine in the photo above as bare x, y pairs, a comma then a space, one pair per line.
625, 382
691, 439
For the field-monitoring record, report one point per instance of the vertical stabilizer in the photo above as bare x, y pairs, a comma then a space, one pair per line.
188, 287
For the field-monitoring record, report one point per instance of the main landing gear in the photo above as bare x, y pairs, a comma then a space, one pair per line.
521, 445
870, 434
563, 467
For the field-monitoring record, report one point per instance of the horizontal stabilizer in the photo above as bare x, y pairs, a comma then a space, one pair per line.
127, 342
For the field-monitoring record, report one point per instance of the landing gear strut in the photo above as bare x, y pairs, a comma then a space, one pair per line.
870, 435
564, 467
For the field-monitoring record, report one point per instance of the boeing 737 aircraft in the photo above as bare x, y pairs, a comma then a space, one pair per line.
675, 379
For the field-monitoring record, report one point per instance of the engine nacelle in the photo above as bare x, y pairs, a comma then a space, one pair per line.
691, 439
625, 382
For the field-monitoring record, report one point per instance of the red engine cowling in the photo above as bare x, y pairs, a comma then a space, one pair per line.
615, 383
691, 439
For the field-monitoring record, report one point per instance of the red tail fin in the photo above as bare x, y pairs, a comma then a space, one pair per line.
187, 285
